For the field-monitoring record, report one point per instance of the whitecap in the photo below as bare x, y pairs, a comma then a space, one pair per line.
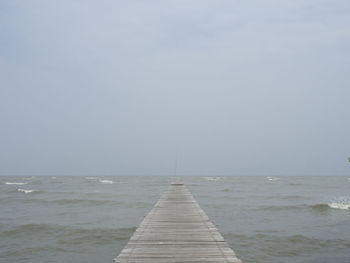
25, 191
343, 206
54, 177
106, 181
342, 202
15, 183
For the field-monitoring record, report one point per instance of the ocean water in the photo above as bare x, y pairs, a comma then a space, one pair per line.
90, 219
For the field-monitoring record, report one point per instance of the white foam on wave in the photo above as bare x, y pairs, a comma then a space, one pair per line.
212, 178
342, 203
106, 181
25, 191
272, 178
54, 177
342, 206
14, 183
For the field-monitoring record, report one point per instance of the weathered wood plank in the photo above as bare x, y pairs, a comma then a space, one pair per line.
176, 230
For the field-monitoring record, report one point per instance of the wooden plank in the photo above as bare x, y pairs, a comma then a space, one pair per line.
176, 230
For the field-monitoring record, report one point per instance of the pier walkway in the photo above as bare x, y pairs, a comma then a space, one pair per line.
176, 230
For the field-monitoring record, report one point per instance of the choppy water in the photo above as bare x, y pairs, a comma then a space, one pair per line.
90, 219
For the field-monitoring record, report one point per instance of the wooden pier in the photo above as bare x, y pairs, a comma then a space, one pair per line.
176, 230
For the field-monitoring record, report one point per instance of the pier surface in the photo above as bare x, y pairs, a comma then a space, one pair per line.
176, 230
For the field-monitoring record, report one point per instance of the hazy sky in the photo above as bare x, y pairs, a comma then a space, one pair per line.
238, 87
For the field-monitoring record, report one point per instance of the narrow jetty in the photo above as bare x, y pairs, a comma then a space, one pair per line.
176, 230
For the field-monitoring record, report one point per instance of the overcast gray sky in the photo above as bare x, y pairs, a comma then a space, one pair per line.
240, 87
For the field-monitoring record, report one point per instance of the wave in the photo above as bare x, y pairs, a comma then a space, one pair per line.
90, 178
28, 178
106, 181
287, 197
342, 206
138, 205
71, 202
96, 236
302, 241
26, 191
342, 203
22, 230
71, 235
272, 178
87, 202
15, 183
283, 207
319, 207
314, 207
212, 178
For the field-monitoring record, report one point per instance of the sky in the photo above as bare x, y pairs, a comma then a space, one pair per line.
240, 87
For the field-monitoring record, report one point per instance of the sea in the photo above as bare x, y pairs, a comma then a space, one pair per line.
90, 219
